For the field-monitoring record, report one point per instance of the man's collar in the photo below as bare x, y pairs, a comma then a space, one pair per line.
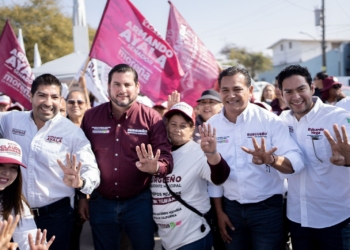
127, 113
316, 107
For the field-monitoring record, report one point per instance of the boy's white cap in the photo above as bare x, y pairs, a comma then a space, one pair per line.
10, 152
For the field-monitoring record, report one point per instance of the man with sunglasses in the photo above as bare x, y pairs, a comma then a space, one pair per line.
318, 206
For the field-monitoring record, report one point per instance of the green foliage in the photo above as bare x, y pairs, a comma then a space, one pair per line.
252, 61
42, 22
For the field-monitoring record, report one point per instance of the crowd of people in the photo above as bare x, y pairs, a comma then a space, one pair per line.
210, 176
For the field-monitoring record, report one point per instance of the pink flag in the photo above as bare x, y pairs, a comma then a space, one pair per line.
199, 64
16, 76
125, 36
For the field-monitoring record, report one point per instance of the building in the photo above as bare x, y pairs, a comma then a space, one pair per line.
308, 53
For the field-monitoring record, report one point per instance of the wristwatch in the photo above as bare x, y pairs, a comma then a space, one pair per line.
82, 186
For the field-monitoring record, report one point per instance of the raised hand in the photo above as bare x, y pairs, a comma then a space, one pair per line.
208, 138
6, 231
40, 241
260, 155
71, 172
340, 148
173, 99
147, 162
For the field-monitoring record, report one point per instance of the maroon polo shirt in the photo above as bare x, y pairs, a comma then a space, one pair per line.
114, 144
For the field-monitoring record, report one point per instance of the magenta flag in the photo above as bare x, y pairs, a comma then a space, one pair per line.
199, 64
16, 75
125, 36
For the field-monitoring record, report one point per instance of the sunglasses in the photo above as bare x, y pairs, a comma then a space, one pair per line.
72, 102
337, 86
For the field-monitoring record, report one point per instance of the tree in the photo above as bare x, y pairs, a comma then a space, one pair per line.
42, 22
252, 61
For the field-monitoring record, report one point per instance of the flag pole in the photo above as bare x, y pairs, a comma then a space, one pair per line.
84, 70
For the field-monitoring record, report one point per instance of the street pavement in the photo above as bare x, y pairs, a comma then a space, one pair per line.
86, 242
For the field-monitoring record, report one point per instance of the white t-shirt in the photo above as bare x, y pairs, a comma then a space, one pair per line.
177, 225
25, 226
319, 196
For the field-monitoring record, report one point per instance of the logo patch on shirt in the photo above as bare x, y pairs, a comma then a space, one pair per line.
54, 139
291, 130
348, 120
18, 132
257, 135
315, 131
100, 130
134, 131
222, 139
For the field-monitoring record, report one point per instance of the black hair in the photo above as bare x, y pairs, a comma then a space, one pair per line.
123, 68
45, 79
79, 91
231, 71
321, 75
294, 70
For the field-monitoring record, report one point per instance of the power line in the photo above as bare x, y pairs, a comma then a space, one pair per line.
341, 7
239, 18
301, 7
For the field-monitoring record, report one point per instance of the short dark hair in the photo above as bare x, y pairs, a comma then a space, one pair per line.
294, 70
45, 79
322, 75
231, 71
122, 68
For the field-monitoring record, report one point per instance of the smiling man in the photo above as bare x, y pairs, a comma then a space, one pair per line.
318, 204
251, 213
45, 137
123, 201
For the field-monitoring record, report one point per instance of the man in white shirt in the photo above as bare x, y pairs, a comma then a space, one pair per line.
252, 195
47, 140
318, 205
344, 103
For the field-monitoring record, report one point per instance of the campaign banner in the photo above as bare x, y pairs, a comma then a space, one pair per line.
199, 64
16, 75
93, 82
125, 36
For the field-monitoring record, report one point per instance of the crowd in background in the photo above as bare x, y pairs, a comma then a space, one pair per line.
230, 173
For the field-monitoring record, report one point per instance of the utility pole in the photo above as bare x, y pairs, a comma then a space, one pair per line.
323, 43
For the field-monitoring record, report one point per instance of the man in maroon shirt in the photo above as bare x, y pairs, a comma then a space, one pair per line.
123, 200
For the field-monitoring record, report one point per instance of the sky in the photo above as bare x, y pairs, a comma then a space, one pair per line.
253, 24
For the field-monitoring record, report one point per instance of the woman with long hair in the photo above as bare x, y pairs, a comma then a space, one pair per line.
12, 202
268, 94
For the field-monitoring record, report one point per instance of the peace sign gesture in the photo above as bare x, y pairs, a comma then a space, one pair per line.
340, 148
71, 172
260, 155
147, 162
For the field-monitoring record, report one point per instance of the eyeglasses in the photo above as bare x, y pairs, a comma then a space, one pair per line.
337, 86
315, 79
72, 102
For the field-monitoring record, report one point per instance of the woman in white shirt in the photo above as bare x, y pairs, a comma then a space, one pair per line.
178, 226
12, 201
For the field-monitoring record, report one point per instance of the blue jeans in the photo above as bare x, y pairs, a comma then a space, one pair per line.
109, 217
206, 243
257, 225
58, 223
336, 237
